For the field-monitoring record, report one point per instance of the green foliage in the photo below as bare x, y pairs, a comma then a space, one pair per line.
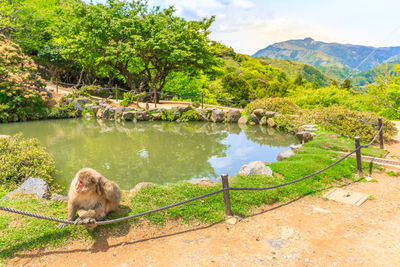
168, 115
144, 45
20, 94
23, 158
280, 105
392, 173
346, 84
190, 115
59, 112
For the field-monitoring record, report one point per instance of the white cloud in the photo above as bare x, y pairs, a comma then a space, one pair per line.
243, 4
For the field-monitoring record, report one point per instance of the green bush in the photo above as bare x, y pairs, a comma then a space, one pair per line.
190, 115
281, 105
168, 115
22, 158
95, 90
58, 112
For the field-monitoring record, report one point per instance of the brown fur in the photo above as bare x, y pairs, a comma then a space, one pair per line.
98, 197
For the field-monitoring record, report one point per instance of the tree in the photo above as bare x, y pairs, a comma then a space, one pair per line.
143, 45
346, 84
299, 80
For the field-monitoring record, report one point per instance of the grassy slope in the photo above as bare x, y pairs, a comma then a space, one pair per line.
22, 233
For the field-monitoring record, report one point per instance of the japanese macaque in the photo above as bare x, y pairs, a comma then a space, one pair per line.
92, 196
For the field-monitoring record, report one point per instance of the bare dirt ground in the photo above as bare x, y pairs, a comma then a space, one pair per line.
309, 231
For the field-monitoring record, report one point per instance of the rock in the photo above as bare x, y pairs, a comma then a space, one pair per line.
100, 102
139, 187
243, 120
58, 198
202, 181
255, 167
82, 101
202, 114
263, 121
321, 210
252, 123
92, 108
142, 116
156, 116
295, 147
232, 115
231, 220
258, 112
35, 186
270, 114
276, 115
284, 154
88, 116
127, 116
209, 112
118, 113
304, 137
184, 109
99, 114
111, 113
217, 116
254, 118
69, 100
308, 128
271, 122
78, 108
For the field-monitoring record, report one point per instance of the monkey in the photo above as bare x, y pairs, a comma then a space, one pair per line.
92, 196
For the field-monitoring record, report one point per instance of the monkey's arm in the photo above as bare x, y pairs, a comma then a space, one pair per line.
72, 208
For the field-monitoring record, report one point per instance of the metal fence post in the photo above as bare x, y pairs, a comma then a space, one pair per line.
358, 156
227, 200
381, 133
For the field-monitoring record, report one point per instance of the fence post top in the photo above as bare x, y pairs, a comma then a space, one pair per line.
356, 137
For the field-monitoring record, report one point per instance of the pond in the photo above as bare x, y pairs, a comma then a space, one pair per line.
159, 152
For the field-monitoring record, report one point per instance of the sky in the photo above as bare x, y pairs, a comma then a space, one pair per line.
250, 25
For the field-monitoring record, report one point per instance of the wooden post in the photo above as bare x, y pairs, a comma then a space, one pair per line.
57, 85
381, 133
116, 93
358, 156
202, 100
155, 97
227, 200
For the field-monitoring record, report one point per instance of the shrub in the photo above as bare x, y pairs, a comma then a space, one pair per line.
62, 112
190, 115
281, 105
168, 115
21, 97
23, 158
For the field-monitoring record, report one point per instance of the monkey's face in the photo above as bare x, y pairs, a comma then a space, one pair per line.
84, 186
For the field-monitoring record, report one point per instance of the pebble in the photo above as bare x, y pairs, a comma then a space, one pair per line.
316, 209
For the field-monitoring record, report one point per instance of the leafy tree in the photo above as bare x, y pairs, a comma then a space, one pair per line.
299, 80
346, 84
143, 45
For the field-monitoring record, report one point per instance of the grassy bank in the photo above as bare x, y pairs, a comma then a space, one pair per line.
20, 233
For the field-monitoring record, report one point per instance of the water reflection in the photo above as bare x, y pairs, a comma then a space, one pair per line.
158, 152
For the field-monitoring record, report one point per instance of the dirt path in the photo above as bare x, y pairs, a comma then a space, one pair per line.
306, 232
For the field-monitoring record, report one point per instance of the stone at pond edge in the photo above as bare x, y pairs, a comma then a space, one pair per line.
263, 121
255, 167
284, 154
271, 122
270, 114
78, 108
88, 116
217, 116
58, 198
142, 116
295, 147
202, 114
202, 181
254, 118
304, 137
127, 116
232, 115
156, 116
258, 112
139, 187
35, 186
243, 120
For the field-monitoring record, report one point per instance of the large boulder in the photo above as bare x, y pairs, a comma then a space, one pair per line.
243, 120
156, 116
304, 136
254, 118
263, 121
118, 113
79, 109
258, 112
202, 114
82, 101
35, 186
92, 108
217, 116
285, 154
270, 114
232, 115
255, 167
271, 122
127, 116
142, 116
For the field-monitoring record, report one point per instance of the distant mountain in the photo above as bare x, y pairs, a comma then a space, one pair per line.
294, 68
335, 55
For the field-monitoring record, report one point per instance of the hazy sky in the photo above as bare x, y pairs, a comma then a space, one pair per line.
250, 25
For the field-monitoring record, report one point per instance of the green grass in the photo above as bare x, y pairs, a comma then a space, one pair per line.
334, 142
20, 233
391, 173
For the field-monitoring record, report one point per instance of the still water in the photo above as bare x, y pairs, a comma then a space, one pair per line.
158, 152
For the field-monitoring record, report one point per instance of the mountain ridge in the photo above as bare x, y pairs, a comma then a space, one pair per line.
316, 53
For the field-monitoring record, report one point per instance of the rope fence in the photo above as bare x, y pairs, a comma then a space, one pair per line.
225, 188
